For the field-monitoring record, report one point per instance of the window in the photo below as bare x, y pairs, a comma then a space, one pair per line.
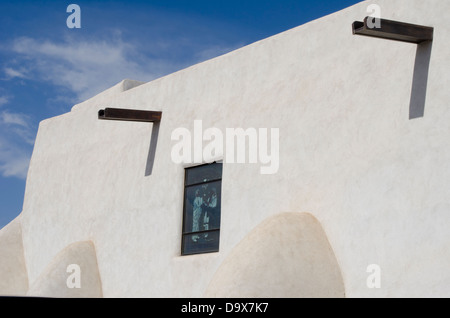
201, 210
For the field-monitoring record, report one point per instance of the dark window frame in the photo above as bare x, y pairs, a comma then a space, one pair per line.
187, 234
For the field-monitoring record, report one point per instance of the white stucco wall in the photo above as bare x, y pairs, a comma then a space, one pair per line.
376, 180
13, 271
73, 273
286, 256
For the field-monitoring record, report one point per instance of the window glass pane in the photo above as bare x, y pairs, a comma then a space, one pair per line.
203, 173
201, 242
202, 207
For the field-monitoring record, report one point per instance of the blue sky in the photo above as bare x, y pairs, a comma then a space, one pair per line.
46, 68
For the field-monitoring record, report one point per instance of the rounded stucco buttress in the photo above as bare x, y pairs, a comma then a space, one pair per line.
13, 272
287, 255
57, 279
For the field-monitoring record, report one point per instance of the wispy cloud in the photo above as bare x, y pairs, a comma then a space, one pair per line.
9, 118
17, 167
3, 100
14, 73
17, 125
16, 136
84, 68
14, 160
88, 67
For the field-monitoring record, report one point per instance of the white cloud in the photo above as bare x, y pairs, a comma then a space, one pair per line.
3, 100
16, 167
14, 161
8, 118
16, 126
12, 73
88, 67
16, 136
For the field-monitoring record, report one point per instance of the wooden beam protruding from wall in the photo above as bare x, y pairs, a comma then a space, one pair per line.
394, 30
129, 115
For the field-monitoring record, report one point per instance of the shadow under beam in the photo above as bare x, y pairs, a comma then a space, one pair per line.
152, 149
420, 80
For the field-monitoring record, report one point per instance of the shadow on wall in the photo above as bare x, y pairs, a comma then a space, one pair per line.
420, 80
287, 255
152, 149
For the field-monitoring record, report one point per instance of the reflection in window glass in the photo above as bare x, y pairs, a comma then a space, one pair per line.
203, 173
202, 201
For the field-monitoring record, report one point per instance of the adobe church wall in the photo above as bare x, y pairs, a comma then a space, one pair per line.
349, 154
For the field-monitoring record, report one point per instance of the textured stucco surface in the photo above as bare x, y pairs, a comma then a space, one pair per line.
287, 255
13, 272
60, 279
376, 180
